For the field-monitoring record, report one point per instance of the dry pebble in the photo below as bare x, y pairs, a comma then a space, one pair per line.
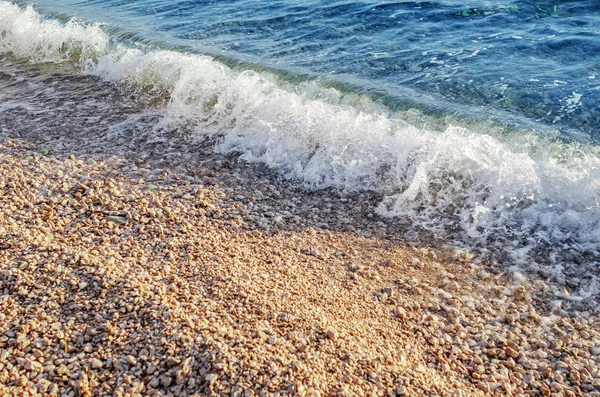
115, 283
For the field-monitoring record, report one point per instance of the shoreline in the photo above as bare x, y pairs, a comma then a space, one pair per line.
119, 279
62, 112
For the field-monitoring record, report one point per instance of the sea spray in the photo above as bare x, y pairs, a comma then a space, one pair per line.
25, 34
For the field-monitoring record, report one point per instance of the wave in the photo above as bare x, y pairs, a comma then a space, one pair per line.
24, 34
529, 198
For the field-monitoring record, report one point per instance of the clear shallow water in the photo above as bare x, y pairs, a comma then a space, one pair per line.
523, 193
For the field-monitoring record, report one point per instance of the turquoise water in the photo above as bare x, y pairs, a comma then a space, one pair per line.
516, 61
478, 121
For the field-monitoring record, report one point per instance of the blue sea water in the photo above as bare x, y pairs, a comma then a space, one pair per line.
535, 59
478, 120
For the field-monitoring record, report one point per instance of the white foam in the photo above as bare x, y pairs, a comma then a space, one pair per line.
25, 34
523, 190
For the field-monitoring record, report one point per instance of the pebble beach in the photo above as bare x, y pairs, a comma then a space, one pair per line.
119, 277
343, 198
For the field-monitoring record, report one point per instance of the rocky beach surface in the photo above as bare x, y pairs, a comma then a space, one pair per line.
136, 261
136, 277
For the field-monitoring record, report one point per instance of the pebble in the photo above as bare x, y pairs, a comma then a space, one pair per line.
400, 313
96, 363
32, 366
177, 298
211, 377
62, 369
165, 380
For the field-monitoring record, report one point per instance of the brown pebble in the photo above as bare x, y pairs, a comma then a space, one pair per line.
96, 363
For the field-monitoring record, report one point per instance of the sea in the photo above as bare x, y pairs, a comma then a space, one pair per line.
475, 120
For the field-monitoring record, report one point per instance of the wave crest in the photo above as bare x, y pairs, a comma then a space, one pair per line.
24, 34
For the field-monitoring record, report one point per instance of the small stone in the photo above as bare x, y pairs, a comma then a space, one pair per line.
165, 380
83, 386
311, 392
33, 366
143, 354
261, 334
211, 378
595, 351
331, 334
301, 347
43, 385
131, 360
154, 382
173, 361
401, 390
556, 387
510, 352
96, 363
510, 318
150, 369
529, 364
62, 369
116, 219
400, 313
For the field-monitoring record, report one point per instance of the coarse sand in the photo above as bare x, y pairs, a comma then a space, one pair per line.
120, 281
